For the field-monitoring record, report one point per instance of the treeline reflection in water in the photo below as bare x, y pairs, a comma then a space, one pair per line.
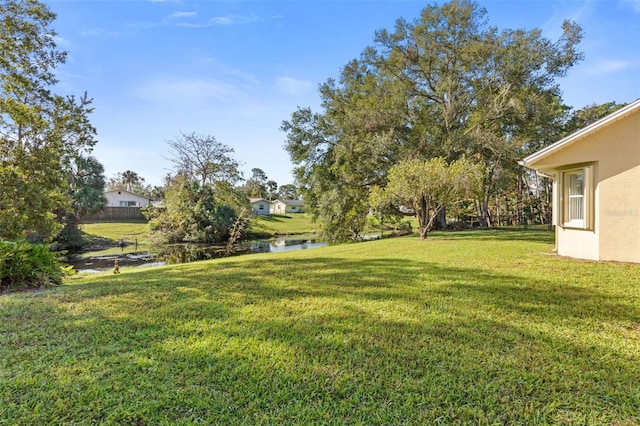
185, 253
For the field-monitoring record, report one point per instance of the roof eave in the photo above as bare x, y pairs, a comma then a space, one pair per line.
532, 159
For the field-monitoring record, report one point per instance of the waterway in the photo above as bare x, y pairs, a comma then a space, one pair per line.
128, 257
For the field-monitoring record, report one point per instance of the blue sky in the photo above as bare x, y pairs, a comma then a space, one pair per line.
236, 69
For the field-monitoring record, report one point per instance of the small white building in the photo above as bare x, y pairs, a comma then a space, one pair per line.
287, 206
122, 198
260, 206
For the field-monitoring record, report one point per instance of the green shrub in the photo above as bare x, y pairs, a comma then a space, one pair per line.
191, 213
24, 265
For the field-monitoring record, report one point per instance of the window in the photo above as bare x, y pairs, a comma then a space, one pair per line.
575, 186
128, 204
577, 201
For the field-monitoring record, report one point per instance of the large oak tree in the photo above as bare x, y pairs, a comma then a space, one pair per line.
444, 85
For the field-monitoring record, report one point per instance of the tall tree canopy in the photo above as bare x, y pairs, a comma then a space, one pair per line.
589, 115
191, 213
201, 202
86, 185
445, 85
204, 159
127, 180
288, 192
40, 132
256, 185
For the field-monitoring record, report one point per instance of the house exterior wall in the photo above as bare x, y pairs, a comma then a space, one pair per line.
260, 207
614, 150
577, 243
619, 215
114, 199
277, 207
280, 207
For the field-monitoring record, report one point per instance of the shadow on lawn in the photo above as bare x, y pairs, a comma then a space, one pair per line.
461, 295
396, 280
356, 339
274, 217
500, 234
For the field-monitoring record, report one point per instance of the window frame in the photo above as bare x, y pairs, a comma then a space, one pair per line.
587, 197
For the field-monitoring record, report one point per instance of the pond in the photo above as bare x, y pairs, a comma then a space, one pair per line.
180, 253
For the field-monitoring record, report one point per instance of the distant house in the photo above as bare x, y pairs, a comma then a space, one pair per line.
287, 206
596, 187
122, 198
259, 206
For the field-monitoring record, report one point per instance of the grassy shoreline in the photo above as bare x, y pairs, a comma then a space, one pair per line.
465, 328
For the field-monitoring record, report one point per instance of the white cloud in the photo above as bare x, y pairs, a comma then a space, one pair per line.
604, 67
576, 11
99, 32
63, 42
181, 19
227, 71
222, 20
182, 15
234, 19
195, 91
293, 86
633, 4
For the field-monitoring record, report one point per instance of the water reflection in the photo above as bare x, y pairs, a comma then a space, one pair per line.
276, 246
185, 253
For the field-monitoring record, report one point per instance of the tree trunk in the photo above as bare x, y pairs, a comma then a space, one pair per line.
440, 221
424, 231
423, 218
485, 214
519, 203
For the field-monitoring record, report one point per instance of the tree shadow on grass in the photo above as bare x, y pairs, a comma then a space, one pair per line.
369, 341
274, 218
531, 235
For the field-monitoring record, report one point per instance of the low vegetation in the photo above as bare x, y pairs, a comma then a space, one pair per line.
26, 266
484, 327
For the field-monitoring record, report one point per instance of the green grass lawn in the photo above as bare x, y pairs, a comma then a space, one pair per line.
485, 327
293, 224
133, 233
128, 231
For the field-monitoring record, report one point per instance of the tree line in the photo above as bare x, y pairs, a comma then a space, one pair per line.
436, 91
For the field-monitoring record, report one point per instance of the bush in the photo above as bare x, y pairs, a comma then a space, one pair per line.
191, 213
24, 265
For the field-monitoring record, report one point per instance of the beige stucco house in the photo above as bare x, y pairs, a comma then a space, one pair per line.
122, 198
287, 206
596, 187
